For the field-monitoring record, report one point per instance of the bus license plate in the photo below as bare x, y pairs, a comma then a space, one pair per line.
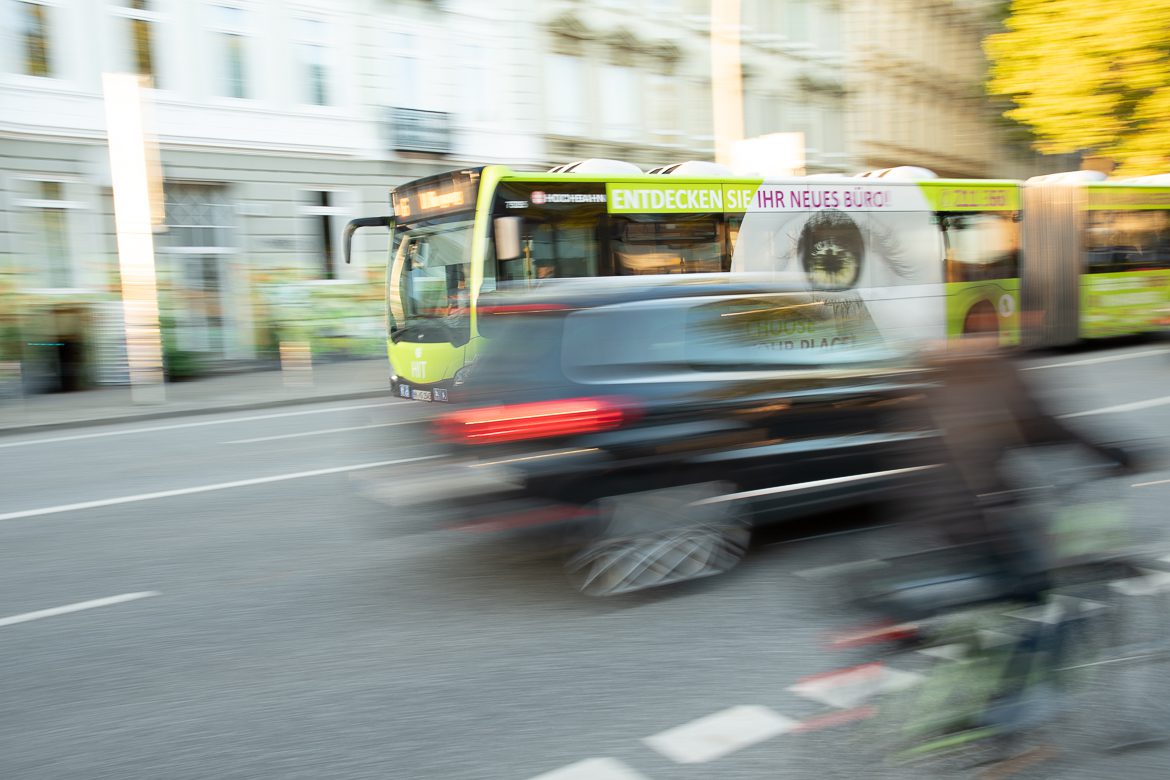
421, 395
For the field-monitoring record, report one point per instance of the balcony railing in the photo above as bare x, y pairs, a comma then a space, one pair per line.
415, 130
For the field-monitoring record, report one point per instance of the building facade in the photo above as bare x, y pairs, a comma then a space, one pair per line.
916, 83
634, 81
276, 122
279, 120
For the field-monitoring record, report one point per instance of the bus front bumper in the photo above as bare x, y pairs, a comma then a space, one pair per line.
436, 392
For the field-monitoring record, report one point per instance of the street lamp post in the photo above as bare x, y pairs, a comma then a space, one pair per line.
726, 79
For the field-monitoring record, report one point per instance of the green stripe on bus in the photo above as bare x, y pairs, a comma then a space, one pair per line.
999, 295
971, 196
669, 197
1105, 197
1124, 302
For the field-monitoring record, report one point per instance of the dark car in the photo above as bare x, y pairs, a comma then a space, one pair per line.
655, 422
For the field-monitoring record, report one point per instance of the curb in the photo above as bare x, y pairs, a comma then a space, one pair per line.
163, 414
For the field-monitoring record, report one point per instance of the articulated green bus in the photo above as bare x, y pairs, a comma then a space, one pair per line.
932, 258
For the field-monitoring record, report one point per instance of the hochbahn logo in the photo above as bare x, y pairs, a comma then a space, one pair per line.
539, 197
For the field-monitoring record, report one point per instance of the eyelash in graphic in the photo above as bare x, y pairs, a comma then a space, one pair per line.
889, 247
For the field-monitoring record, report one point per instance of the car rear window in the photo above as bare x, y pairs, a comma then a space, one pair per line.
742, 333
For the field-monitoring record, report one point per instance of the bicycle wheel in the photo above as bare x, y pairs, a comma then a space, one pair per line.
1137, 660
940, 723
1111, 668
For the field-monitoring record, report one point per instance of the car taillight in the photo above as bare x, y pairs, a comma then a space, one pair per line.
539, 420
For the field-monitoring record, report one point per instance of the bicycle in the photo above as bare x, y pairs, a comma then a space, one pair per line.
995, 674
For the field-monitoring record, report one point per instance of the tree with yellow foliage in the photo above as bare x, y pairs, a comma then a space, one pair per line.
1090, 76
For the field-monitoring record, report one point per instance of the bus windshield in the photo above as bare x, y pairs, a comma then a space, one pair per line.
427, 292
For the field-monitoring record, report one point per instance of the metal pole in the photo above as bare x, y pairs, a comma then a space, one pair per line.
133, 163
726, 79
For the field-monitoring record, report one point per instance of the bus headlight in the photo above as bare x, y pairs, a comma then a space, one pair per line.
462, 374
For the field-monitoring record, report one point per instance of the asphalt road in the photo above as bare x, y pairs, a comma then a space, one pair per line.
264, 620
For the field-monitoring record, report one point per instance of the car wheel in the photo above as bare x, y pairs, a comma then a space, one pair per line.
659, 537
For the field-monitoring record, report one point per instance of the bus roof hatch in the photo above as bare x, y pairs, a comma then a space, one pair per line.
693, 168
596, 165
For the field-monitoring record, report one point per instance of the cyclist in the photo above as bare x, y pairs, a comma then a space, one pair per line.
982, 409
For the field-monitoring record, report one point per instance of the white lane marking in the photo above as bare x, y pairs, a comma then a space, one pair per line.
835, 570
320, 432
953, 652
1104, 359
1150, 585
594, 769
721, 733
200, 423
809, 485
1122, 407
49, 510
78, 607
1148, 484
851, 688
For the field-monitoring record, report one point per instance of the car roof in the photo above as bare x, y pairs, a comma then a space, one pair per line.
607, 290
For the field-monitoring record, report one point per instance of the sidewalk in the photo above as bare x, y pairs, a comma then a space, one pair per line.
251, 390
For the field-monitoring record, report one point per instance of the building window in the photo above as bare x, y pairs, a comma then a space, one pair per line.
198, 215
622, 103
834, 130
33, 23
231, 31
479, 80
663, 108
322, 216
406, 70
200, 234
700, 111
140, 19
796, 20
49, 252
313, 51
565, 88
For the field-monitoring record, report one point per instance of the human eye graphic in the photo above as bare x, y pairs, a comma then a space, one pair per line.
831, 249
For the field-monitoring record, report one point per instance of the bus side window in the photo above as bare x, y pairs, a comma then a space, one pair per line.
536, 241
1127, 240
577, 250
733, 224
668, 244
980, 245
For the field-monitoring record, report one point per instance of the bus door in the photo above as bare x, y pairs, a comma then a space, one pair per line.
981, 264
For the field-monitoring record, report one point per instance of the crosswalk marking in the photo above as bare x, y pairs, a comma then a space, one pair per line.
853, 687
594, 769
723, 732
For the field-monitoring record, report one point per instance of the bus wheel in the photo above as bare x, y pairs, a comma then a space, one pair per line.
659, 537
982, 318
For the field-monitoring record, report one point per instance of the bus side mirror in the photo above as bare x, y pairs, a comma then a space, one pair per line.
354, 224
508, 237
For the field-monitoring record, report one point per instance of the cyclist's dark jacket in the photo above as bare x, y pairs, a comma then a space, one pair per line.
982, 411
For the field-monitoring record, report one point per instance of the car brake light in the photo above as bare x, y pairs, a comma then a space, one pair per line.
539, 420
